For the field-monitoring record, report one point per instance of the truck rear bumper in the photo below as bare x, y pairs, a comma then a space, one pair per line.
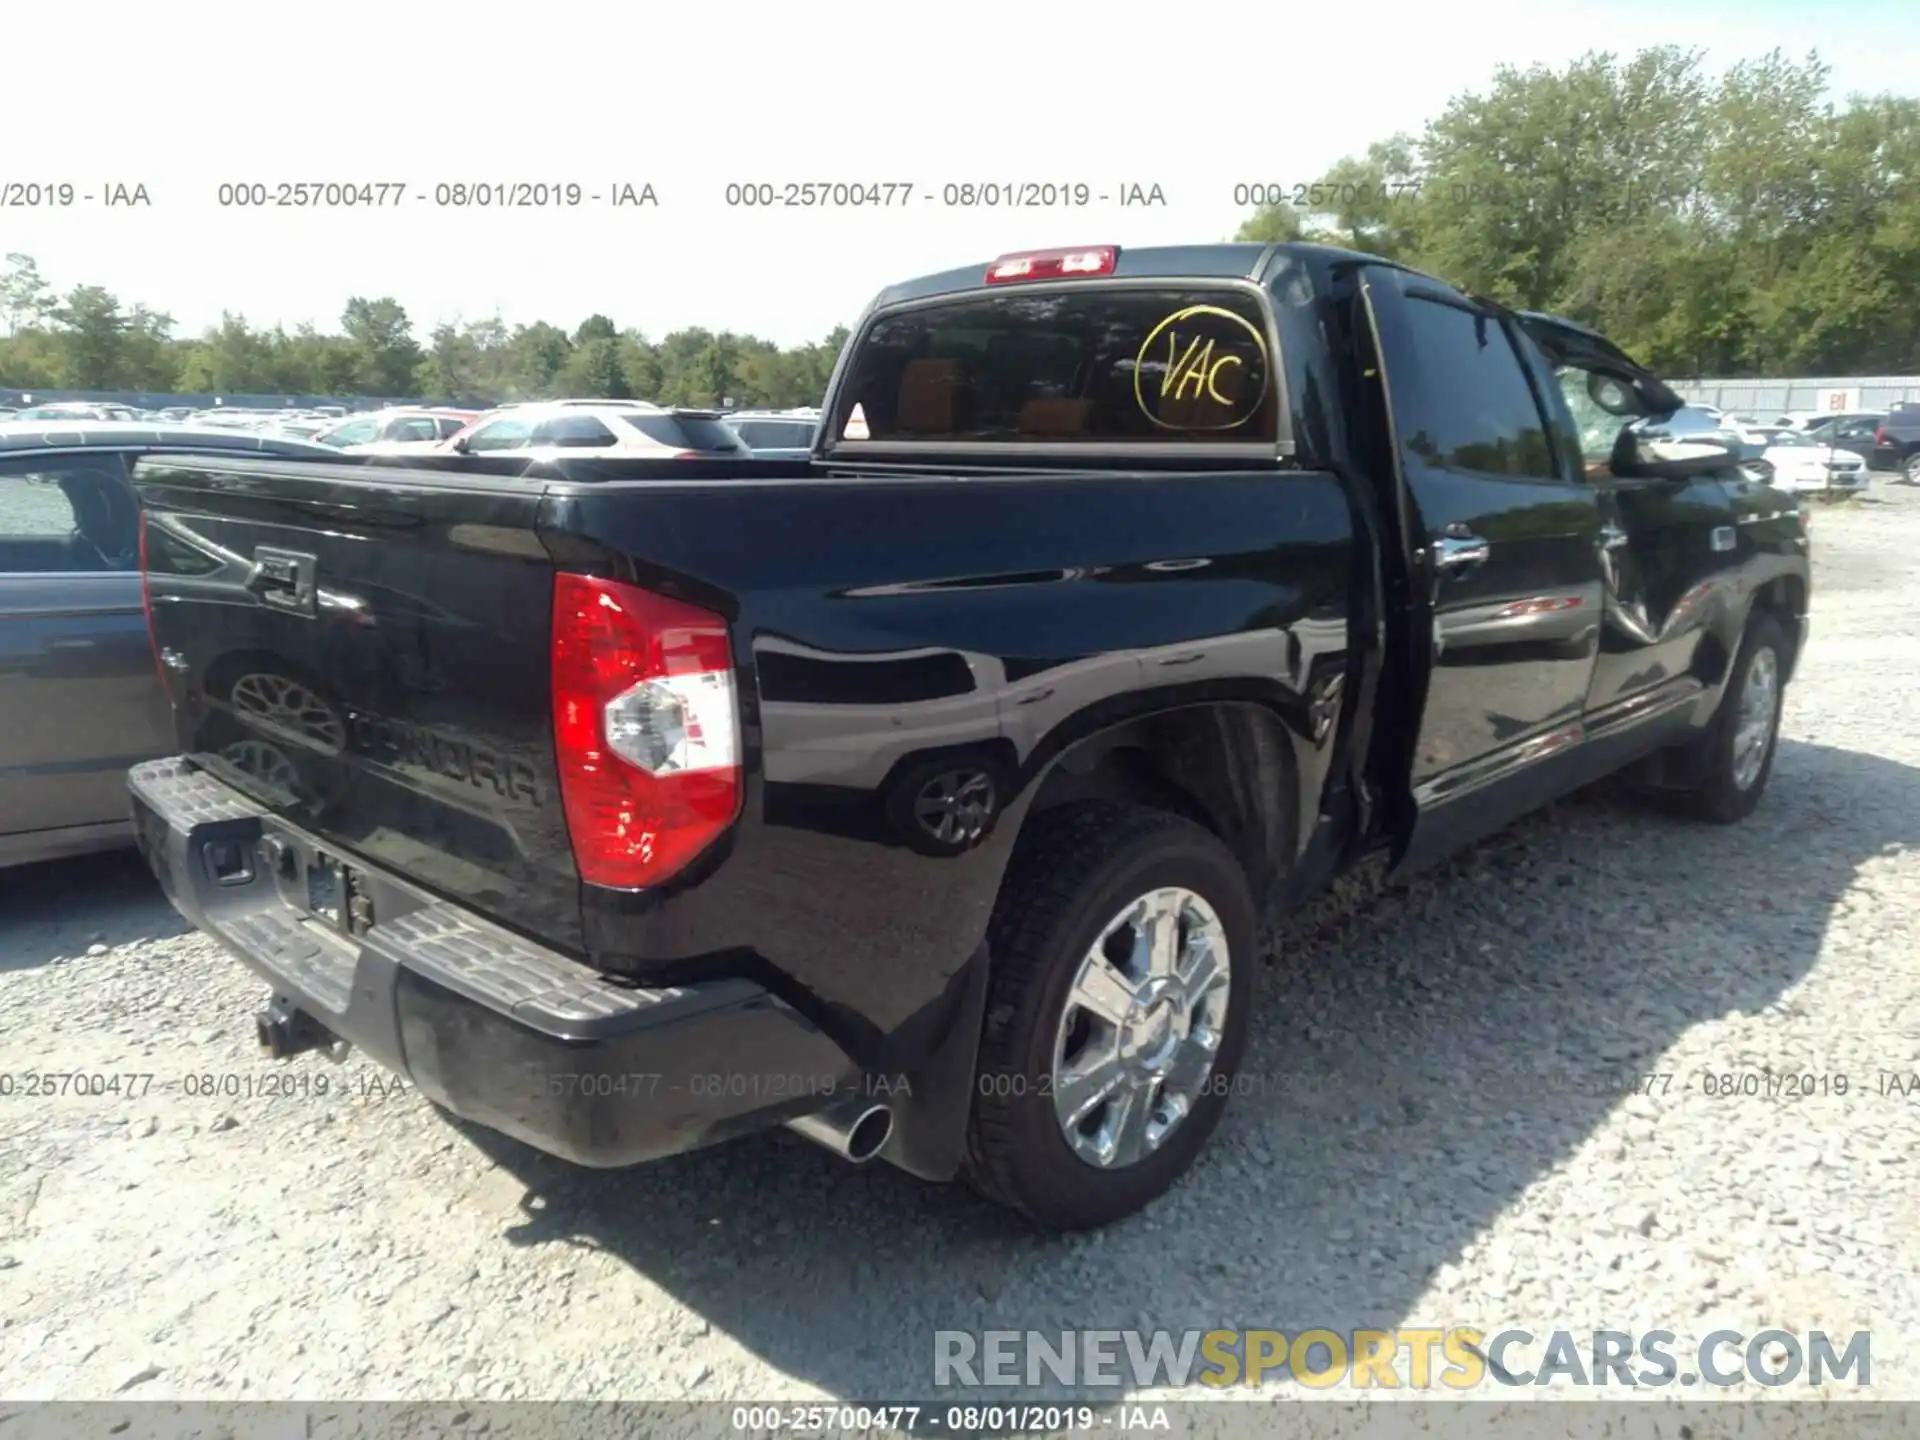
492, 1026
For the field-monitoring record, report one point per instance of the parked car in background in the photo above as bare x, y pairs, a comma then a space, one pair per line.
78, 410
1706, 424
224, 418
1848, 430
385, 427
1896, 443
779, 435
1801, 463
302, 424
603, 427
77, 682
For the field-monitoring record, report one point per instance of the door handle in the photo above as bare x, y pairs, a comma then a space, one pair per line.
1612, 537
1456, 552
271, 577
283, 579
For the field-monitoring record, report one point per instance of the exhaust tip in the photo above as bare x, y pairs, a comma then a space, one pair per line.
854, 1132
869, 1134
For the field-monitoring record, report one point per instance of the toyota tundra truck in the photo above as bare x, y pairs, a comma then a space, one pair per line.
926, 795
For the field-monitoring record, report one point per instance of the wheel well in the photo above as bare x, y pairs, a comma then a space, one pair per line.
1228, 768
1785, 598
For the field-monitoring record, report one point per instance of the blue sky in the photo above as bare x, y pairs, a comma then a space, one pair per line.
1192, 98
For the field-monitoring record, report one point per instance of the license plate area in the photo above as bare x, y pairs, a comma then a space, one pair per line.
323, 889
335, 894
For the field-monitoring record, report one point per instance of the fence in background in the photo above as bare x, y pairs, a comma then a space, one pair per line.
1770, 399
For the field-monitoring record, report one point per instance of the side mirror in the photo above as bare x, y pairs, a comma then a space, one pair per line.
459, 445
1637, 455
1613, 396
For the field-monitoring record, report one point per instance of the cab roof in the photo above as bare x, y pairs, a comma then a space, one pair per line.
1229, 260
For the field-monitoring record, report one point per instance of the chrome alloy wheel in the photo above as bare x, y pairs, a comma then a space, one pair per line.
1756, 716
1141, 1027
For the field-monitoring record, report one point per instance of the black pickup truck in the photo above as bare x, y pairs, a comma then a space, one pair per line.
926, 796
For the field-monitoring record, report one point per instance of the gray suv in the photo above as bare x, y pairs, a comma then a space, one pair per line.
78, 689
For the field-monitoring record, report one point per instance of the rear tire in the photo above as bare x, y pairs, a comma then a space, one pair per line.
1738, 749
1063, 962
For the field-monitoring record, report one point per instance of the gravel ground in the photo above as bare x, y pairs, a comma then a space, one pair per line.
1426, 1141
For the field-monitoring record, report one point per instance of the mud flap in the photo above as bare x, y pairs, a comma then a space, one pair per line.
930, 1123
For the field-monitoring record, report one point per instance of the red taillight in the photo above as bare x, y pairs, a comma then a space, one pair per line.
1053, 264
644, 729
146, 603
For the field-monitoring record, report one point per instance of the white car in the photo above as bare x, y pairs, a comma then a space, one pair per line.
606, 427
411, 426
78, 410
301, 427
1801, 463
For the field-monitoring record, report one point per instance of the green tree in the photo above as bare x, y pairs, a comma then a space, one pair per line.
641, 363
31, 360
385, 353
148, 357
231, 357
1730, 224
25, 298
451, 368
595, 368
91, 329
595, 327
538, 354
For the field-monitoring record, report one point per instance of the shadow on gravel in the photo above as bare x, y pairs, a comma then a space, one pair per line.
56, 909
1424, 1054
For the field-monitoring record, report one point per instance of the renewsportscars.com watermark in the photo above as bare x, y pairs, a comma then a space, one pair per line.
1454, 1358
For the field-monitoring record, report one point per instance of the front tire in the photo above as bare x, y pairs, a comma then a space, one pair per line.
1738, 749
1123, 957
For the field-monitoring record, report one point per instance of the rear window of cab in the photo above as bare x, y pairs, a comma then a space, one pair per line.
1093, 365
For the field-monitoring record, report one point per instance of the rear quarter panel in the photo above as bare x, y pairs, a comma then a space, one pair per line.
1001, 616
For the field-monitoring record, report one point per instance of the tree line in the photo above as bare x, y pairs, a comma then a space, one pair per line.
88, 339
1731, 224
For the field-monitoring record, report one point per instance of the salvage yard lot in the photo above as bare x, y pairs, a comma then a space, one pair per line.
1425, 1136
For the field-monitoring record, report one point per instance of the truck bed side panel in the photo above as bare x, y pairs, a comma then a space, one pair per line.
890, 622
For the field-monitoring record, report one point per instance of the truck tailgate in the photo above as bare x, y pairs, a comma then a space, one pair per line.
366, 652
